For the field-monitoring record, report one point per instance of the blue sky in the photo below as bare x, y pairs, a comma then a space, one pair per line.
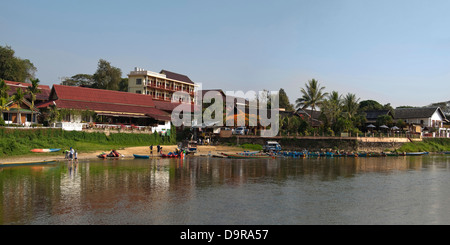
394, 52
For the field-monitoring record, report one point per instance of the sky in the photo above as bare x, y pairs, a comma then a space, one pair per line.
395, 52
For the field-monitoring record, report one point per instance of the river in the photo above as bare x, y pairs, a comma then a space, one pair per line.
217, 191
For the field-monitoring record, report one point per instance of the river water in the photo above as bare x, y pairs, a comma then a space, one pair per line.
210, 191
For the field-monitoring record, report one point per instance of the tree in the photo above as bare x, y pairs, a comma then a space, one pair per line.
350, 105
311, 97
32, 91
79, 80
332, 107
123, 85
284, 101
107, 76
13, 68
4, 97
18, 98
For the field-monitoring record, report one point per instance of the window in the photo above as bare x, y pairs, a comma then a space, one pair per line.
28, 117
138, 92
139, 81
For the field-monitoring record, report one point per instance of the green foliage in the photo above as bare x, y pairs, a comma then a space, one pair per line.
429, 145
107, 76
254, 147
20, 142
13, 68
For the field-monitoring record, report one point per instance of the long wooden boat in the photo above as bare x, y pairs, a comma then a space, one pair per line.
141, 156
46, 150
248, 156
42, 162
416, 153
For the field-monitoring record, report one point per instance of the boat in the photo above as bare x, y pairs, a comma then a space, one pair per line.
42, 162
141, 156
248, 156
416, 153
46, 150
170, 155
112, 155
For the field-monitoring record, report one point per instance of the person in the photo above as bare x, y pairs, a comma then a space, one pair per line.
158, 148
75, 155
66, 156
71, 153
151, 149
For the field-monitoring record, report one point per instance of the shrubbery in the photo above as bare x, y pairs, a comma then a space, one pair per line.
18, 142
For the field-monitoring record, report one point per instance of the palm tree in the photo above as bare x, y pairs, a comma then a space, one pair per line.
4, 96
350, 105
311, 97
17, 98
332, 107
32, 91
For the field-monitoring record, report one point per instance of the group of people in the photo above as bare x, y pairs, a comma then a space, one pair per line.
158, 148
71, 154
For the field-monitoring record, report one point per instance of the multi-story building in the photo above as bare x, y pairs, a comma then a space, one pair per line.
161, 86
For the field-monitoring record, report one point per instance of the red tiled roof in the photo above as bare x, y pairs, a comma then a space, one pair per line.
170, 106
99, 100
102, 96
43, 95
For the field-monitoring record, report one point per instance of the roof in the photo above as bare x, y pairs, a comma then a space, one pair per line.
176, 76
373, 115
43, 95
418, 112
100, 95
105, 101
170, 106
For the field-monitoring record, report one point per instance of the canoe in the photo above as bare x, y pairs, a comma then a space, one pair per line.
141, 156
249, 156
11, 164
416, 153
46, 150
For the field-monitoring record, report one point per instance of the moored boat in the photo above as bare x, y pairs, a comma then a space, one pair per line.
170, 155
416, 153
42, 162
141, 156
46, 150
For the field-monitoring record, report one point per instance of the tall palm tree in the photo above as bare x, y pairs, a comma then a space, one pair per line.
32, 91
17, 98
350, 105
311, 97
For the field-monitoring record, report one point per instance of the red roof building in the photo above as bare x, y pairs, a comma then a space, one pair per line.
40, 97
118, 107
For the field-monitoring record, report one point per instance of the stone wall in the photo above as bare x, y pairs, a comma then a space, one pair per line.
322, 143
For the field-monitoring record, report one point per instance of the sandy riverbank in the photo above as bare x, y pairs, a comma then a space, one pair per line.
128, 152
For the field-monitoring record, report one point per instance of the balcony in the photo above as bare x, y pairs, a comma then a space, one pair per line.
169, 88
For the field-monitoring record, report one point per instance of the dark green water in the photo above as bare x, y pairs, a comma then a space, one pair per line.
201, 190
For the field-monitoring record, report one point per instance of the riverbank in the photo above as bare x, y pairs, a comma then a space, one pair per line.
127, 152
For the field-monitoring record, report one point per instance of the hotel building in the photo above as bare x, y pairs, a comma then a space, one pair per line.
161, 86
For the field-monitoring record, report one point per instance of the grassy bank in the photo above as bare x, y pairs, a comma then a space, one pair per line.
14, 142
429, 145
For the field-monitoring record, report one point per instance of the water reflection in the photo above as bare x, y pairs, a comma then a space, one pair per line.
206, 190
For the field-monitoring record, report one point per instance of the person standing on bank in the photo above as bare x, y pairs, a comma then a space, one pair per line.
151, 150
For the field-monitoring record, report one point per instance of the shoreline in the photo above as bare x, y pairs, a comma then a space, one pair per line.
127, 152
